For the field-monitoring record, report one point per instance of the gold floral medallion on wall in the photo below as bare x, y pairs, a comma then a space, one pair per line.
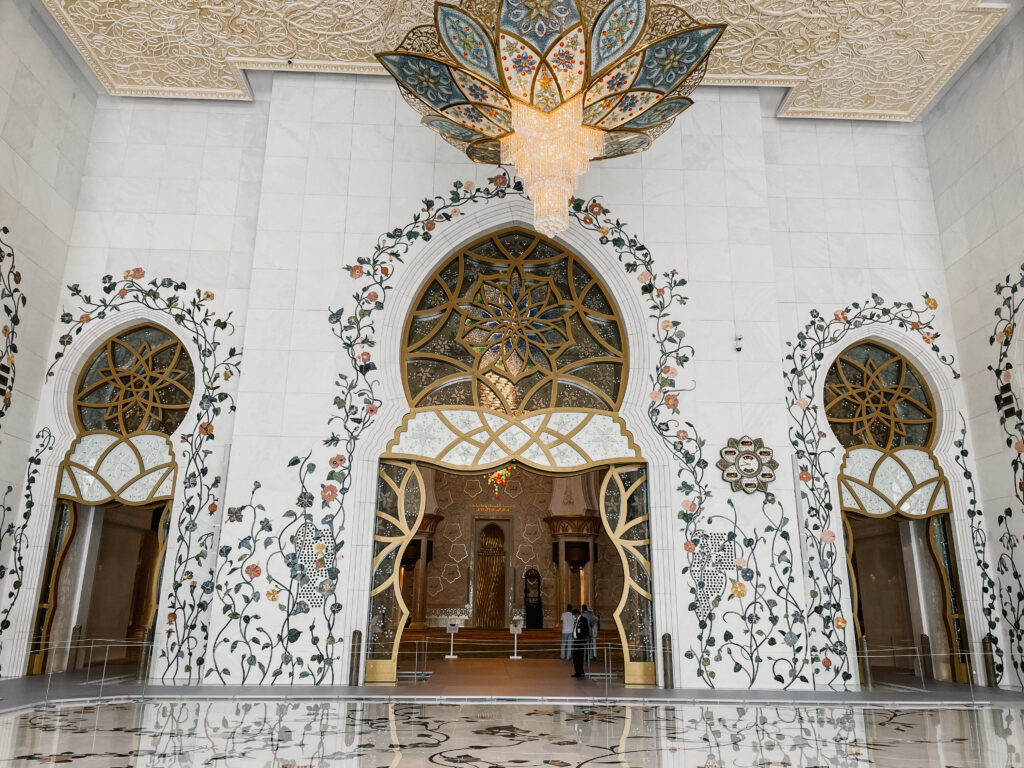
139, 380
747, 465
513, 323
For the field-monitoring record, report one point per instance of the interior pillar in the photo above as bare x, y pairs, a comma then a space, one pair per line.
425, 535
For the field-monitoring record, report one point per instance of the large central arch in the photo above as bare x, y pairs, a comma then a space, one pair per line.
513, 351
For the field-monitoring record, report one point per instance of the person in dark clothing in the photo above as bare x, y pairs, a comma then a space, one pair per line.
580, 639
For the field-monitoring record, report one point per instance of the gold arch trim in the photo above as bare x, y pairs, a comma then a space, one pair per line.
136, 386
488, 440
938, 502
874, 403
165, 469
631, 536
496, 324
391, 537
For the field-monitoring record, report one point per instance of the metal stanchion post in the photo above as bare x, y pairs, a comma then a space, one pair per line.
990, 661
862, 650
106, 657
452, 629
607, 673
88, 671
929, 661
145, 654
76, 641
49, 679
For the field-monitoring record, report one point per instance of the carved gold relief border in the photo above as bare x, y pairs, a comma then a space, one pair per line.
893, 60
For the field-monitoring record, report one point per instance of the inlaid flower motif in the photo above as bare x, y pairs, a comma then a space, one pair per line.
539, 17
519, 327
564, 60
429, 79
666, 64
522, 63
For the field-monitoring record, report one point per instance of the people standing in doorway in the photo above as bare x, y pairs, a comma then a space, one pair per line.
568, 620
580, 638
592, 621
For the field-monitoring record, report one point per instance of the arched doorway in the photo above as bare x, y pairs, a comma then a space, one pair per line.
513, 354
896, 511
490, 587
114, 491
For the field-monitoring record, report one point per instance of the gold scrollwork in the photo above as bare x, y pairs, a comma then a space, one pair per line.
626, 521
400, 506
515, 322
142, 379
884, 59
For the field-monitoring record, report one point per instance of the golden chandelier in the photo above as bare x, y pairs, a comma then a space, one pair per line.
548, 85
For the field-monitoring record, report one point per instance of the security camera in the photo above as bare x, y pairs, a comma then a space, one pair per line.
739, 342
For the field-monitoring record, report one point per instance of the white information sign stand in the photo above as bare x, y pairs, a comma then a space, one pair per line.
453, 629
515, 629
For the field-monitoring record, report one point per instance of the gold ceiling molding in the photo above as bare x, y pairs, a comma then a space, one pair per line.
866, 59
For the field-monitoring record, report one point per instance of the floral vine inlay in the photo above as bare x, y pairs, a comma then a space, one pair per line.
1011, 419
184, 622
12, 532
13, 300
825, 565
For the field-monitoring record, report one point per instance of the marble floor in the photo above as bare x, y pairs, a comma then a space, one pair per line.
300, 734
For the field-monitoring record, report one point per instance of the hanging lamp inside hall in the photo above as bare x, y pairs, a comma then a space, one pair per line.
548, 85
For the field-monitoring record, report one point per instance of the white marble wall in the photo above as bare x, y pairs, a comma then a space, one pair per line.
975, 145
265, 202
46, 113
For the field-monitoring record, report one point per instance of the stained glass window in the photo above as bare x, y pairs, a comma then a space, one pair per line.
512, 323
874, 396
140, 380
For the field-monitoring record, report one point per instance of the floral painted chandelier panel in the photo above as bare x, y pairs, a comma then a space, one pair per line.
550, 85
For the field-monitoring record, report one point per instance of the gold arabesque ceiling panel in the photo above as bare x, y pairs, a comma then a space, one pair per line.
869, 59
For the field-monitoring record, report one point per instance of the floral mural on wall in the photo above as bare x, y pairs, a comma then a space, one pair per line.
12, 525
272, 577
13, 301
193, 534
13, 536
1010, 292
754, 625
825, 561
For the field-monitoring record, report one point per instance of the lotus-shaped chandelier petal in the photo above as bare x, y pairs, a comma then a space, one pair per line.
549, 85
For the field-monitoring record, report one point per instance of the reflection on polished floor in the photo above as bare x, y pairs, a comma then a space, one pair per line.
294, 733
505, 677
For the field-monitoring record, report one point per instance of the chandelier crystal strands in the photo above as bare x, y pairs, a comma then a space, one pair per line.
548, 85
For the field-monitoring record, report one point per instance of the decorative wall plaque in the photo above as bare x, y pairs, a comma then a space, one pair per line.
747, 465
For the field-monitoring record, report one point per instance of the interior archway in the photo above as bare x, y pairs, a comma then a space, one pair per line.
114, 491
514, 356
896, 507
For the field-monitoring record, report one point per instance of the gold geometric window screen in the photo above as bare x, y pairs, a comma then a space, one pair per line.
874, 396
140, 380
512, 323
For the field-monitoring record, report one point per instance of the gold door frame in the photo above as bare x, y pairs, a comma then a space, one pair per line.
513, 350
46, 609
632, 540
396, 527
953, 613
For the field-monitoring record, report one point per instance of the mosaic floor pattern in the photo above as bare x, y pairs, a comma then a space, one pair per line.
298, 734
